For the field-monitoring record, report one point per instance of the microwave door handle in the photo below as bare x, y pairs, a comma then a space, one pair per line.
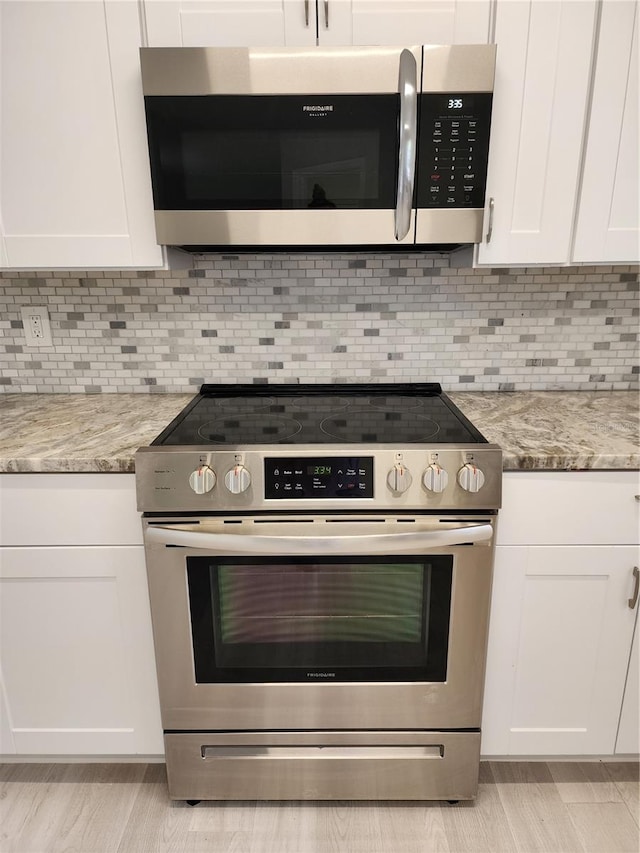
390, 543
408, 132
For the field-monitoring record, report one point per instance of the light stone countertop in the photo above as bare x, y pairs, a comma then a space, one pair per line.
541, 430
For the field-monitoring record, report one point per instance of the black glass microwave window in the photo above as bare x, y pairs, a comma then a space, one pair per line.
228, 152
302, 619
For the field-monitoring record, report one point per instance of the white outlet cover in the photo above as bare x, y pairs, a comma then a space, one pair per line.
28, 312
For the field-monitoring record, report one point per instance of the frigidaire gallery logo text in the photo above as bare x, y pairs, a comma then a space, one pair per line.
315, 108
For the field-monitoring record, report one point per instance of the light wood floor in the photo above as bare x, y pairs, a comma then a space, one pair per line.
124, 808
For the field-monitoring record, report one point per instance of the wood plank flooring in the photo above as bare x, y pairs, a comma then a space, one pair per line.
524, 807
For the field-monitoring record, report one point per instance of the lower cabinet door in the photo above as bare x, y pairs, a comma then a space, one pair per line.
76, 652
559, 643
628, 741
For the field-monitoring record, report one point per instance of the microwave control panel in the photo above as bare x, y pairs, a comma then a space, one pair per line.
453, 149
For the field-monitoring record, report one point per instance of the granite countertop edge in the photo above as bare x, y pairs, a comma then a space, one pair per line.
537, 430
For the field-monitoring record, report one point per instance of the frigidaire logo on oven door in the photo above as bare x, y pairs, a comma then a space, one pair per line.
321, 675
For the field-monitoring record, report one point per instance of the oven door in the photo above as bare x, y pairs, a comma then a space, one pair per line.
334, 622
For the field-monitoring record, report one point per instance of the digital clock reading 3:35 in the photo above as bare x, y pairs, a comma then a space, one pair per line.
454, 104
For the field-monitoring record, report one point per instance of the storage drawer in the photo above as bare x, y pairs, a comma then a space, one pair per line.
69, 509
569, 508
347, 766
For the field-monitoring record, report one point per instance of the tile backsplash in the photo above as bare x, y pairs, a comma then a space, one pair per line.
325, 318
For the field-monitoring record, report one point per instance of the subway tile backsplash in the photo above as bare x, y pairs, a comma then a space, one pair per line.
325, 318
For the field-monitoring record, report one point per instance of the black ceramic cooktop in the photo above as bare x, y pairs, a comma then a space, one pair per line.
406, 413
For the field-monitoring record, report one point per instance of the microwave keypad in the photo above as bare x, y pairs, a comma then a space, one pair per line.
454, 145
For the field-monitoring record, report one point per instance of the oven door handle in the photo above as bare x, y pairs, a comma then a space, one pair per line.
408, 131
390, 543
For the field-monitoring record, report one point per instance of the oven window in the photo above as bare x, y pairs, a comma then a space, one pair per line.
263, 152
299, 619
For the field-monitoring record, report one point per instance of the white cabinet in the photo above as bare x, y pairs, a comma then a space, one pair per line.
608, 226
226, 23
563, 181
540, 102
408, 22
561, 627
215, 23
74, 171
76, 650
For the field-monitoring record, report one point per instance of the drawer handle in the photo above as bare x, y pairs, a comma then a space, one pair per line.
634, 599
322, 752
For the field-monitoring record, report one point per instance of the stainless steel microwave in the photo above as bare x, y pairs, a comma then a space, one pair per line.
318, 147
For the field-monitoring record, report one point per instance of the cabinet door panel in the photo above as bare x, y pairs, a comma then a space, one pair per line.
539, 108
569, 634
223, 23
63, 169
608, 226
77, 657
61, 181
417, 22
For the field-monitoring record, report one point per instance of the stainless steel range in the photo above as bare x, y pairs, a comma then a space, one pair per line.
319, 561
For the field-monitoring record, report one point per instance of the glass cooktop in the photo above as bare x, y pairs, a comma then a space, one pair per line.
406, 413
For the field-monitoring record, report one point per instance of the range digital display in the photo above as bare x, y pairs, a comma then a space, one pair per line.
318, 477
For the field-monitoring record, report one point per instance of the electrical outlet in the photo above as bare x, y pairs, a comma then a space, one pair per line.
37, 329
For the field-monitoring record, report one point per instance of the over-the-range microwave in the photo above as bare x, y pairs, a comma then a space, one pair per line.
318, 147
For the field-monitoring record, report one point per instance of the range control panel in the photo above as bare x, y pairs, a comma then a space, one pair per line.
464, 477
318, 477
453, 150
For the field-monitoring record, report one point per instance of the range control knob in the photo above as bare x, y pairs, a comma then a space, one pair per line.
399, 478
237, 479
202, 480
471, 477
435, 478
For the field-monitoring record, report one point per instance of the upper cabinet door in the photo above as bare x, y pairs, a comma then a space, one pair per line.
544, 54
608, 227
303, 23
76, 190
229, 23
410, 21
